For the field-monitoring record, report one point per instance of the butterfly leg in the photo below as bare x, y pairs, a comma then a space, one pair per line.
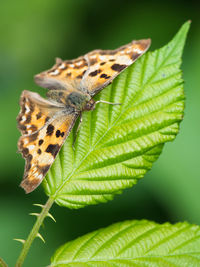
78, 128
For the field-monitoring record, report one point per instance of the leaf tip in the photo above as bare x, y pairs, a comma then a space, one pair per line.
185, 27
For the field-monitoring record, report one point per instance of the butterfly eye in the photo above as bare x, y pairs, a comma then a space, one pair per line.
90, 105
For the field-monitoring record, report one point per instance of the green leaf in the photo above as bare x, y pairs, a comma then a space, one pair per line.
117, 145
134, 243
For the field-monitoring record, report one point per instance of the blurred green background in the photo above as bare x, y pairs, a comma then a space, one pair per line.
32, 34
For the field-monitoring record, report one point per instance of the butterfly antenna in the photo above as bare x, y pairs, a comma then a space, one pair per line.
106, 102
77, 130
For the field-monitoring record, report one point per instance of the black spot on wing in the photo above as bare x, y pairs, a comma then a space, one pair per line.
118, 67
39, 115
105, 76
53, 149
40, 142
25, 151
28, 119
39, 151
58, 133
50, 129
94, 73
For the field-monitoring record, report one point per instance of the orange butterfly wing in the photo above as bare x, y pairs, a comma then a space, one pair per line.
45, 127
105, 65
92, 72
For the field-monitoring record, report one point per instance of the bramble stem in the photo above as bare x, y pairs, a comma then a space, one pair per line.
34, 232
2, 263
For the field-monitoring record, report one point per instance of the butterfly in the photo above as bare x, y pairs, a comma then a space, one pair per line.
46, 123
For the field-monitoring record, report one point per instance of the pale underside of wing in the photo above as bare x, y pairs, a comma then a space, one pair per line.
42, 138
94, 71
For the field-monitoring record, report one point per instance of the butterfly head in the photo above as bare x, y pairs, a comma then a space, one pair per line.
90, 105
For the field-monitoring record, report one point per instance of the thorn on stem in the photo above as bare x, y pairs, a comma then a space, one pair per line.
39, 205
51, 216
34, 214
19, 240
40, 236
